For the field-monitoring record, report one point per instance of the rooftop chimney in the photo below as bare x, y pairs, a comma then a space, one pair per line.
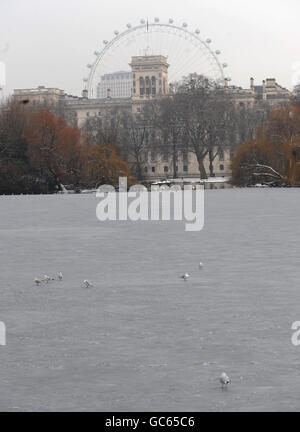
264, 90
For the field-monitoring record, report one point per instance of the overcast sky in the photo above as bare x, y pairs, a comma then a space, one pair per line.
50, 42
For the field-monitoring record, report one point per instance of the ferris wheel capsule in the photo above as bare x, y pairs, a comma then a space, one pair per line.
129, 25
142, 21
208, 41
197, 31
171, 20
184, 25
116, 32
89, 66
85, 80
224, 65
218, 52
96, 53
156, 20
229, 79
105, 42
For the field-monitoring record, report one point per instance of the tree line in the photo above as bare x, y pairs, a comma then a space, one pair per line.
40, 151
199, 117
272, 157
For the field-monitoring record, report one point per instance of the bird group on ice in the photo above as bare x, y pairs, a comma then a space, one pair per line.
224, 379
46, 279
186, 276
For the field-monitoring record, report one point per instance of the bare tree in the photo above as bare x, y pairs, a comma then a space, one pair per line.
203, 110
166, 116
105, 128
135, 140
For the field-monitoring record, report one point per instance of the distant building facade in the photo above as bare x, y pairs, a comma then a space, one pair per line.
150, 76
115, 85
148, 80
269, 92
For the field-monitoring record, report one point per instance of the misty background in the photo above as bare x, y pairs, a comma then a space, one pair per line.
50, 42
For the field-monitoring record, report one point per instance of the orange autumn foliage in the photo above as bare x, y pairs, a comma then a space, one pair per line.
63, 153
102, 164
273, 157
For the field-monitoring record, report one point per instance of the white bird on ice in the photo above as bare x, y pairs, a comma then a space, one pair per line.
87, 284
185, 276
224, 380
201, 265
37, 281
47, 278
60, 276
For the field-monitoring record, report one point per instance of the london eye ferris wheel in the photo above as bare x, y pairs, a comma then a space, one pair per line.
186, 51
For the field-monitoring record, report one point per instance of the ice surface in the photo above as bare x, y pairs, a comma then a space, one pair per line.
142, 338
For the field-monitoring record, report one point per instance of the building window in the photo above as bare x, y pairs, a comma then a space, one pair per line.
185, 168
153, 169
222, 167
184, 156
221, 155
152, 157
296, 154
166, 169
165, 157
146, 169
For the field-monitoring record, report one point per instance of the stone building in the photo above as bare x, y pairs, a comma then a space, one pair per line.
150, 80
150, 76
269, 92
41, 95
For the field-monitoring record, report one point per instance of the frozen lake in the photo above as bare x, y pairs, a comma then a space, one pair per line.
143, 339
